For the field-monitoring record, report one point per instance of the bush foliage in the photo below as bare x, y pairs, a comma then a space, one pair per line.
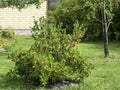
8, 33
6, 36
52, 58
3, 42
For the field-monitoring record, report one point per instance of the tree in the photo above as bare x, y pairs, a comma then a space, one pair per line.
19, 3
106, 9
104, 15
106, 20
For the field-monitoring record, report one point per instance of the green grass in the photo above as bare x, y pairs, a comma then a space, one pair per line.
104, 76
21, 42
18, 43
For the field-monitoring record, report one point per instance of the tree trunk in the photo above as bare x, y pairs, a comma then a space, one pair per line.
105, 30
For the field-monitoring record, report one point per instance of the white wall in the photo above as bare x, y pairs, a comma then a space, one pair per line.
21, 19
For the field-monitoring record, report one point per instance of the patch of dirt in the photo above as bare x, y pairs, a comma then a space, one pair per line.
63, 84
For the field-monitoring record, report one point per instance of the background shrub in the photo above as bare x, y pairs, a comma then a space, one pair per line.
52, 58
5, 36
3, 42
7, 33
68, 11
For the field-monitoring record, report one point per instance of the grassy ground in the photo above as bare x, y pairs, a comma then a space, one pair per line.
18, 43
105, 75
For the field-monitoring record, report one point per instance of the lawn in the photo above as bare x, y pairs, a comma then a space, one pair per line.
104, 76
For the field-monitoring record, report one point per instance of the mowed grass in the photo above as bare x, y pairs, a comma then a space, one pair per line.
104, 76
19, 43
106, 72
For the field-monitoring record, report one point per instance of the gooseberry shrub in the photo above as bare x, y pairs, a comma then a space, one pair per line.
52, 58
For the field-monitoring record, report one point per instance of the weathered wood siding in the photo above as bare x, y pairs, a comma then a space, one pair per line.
21, 19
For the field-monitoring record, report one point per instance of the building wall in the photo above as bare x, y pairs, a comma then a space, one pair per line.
21, 19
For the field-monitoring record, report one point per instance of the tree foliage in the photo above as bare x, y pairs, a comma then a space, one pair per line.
19, 3
94, 31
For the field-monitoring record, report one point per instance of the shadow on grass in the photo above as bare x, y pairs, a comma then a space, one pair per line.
14, 84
